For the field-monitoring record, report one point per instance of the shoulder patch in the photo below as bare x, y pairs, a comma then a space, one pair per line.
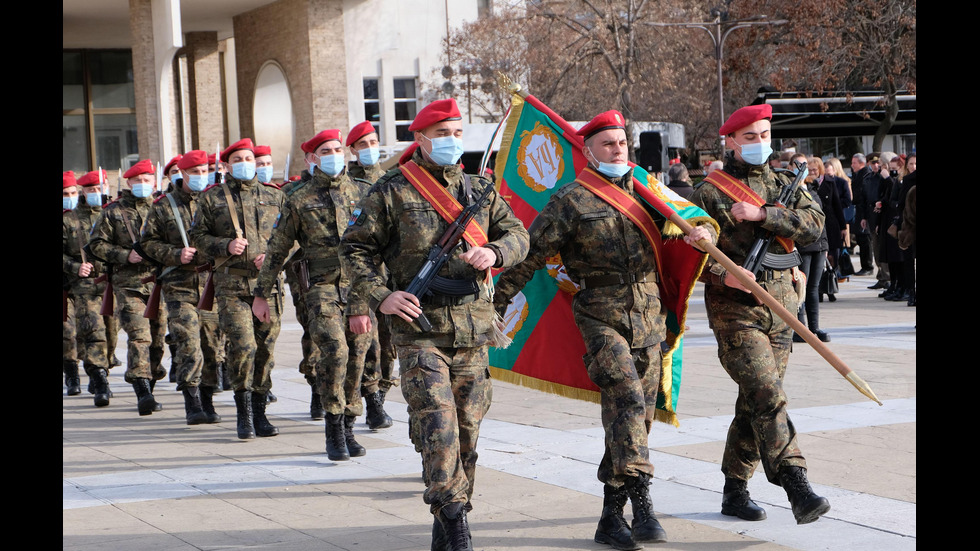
564, 190
357, 217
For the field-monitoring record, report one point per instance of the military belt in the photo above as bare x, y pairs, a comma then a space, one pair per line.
771, 275
609, 280
317, 266
238, 272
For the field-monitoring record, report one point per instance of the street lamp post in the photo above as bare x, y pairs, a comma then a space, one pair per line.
719, 29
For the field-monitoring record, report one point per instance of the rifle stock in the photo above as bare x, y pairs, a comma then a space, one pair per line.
153, 304
108, 305
64, 310
206, 301
757, 253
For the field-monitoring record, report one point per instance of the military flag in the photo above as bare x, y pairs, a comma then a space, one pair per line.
539, 153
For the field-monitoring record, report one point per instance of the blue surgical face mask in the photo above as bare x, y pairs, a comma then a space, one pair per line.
265, 173
93, 199
244, 170
210, 178
69, 202
142, 190
806, 172
332, 164
611, 170
756, 153
368, 156
197, 182
446, 150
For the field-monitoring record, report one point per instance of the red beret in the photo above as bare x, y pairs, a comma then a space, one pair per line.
210, 159
67, 179
261, 150
602, 121
407, 154
437, 111
172, 162
143, 167
91, 179
359, 132
324, 136
244, 143
194, 157
744, 117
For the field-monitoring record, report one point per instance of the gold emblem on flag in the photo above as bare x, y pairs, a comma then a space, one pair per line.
515, 315
540, 161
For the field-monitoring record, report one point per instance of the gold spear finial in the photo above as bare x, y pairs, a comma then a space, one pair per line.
507, 84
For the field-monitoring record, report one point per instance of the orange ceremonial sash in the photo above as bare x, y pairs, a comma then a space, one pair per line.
445, 204
738, 190
625, 203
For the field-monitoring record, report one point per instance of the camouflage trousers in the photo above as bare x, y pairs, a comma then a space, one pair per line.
378, 375
69, 346
311, 355
342, 354
250, 344
90, 329
144, 337
197, 345
754, 346
448, 391
628, 381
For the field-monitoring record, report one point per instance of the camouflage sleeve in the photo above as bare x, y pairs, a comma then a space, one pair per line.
154, 239
508, 237
281, 241
201, 234
361, 245
101, 241
802, 223
68, 264
548, 233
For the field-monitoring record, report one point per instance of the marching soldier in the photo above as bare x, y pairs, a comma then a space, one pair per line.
182, 280
231, 228
613, 258
753, 343
445, 376
114, 240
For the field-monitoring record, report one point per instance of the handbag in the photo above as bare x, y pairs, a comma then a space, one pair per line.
828, 280
844, 263
849, 214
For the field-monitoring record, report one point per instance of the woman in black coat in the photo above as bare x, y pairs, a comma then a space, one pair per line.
814, 257
890, 196
835, 225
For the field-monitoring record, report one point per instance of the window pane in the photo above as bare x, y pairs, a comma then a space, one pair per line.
372, 112
74, 152
72, 81
404, 88
370, 88
402, 134
115, 138
112, 79
405, 110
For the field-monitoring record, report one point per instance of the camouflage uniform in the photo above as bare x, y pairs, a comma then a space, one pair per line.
111, 241
84, 294
311, 355
315, 216
753, 343
622, 325
196, 340
250, 343
444, 373
378, 375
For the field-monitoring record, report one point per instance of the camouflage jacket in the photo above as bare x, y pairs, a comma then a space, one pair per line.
595, 239
801, 221
162, 241
76, 226
396, 222
112, 241
369, 174
257, 207
315, 216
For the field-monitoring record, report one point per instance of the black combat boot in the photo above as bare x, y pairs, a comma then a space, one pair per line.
270, 397
262, 425
735, 501
225, 376
453, 518
646, 528
440, 540
336, 442
316, 404
243, 405
193, 410
612, 529
146, 403
207, 404
807, 506
72, 382
353, 448
376, 416
100, 387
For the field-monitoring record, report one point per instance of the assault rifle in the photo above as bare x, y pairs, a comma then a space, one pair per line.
758, 258
426, 279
